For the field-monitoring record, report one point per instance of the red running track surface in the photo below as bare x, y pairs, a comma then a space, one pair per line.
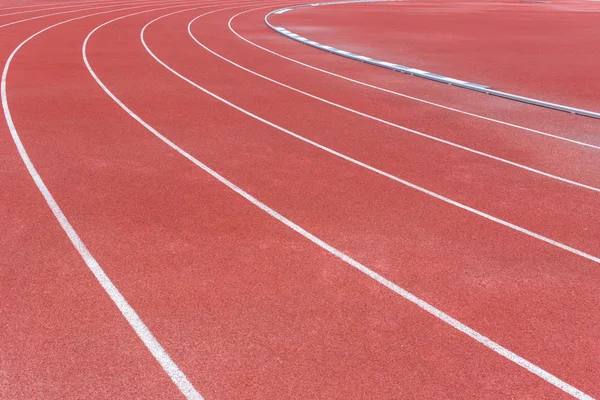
542, 50
244, 306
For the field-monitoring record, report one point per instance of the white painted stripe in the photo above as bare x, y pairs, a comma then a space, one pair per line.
390, 285
140, 328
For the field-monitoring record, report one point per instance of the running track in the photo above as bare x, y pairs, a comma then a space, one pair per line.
220, 212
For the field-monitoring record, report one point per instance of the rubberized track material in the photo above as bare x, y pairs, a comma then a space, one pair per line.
267, 220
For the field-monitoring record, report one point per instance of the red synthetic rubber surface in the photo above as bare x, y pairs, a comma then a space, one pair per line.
245, 306
541, 50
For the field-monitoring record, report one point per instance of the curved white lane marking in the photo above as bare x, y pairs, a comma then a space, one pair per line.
388, 123
140, 328
332, 250
403, 95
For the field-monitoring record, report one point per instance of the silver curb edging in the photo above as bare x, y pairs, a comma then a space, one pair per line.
415, 71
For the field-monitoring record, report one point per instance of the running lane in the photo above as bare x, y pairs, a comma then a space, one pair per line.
245, 306
543, 50
61, 336
459, 262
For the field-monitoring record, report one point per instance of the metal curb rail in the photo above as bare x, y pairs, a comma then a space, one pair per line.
415, 71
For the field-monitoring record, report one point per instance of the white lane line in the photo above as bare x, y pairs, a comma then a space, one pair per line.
149, 3
406, 129
140, 328
337, 253
403, 95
